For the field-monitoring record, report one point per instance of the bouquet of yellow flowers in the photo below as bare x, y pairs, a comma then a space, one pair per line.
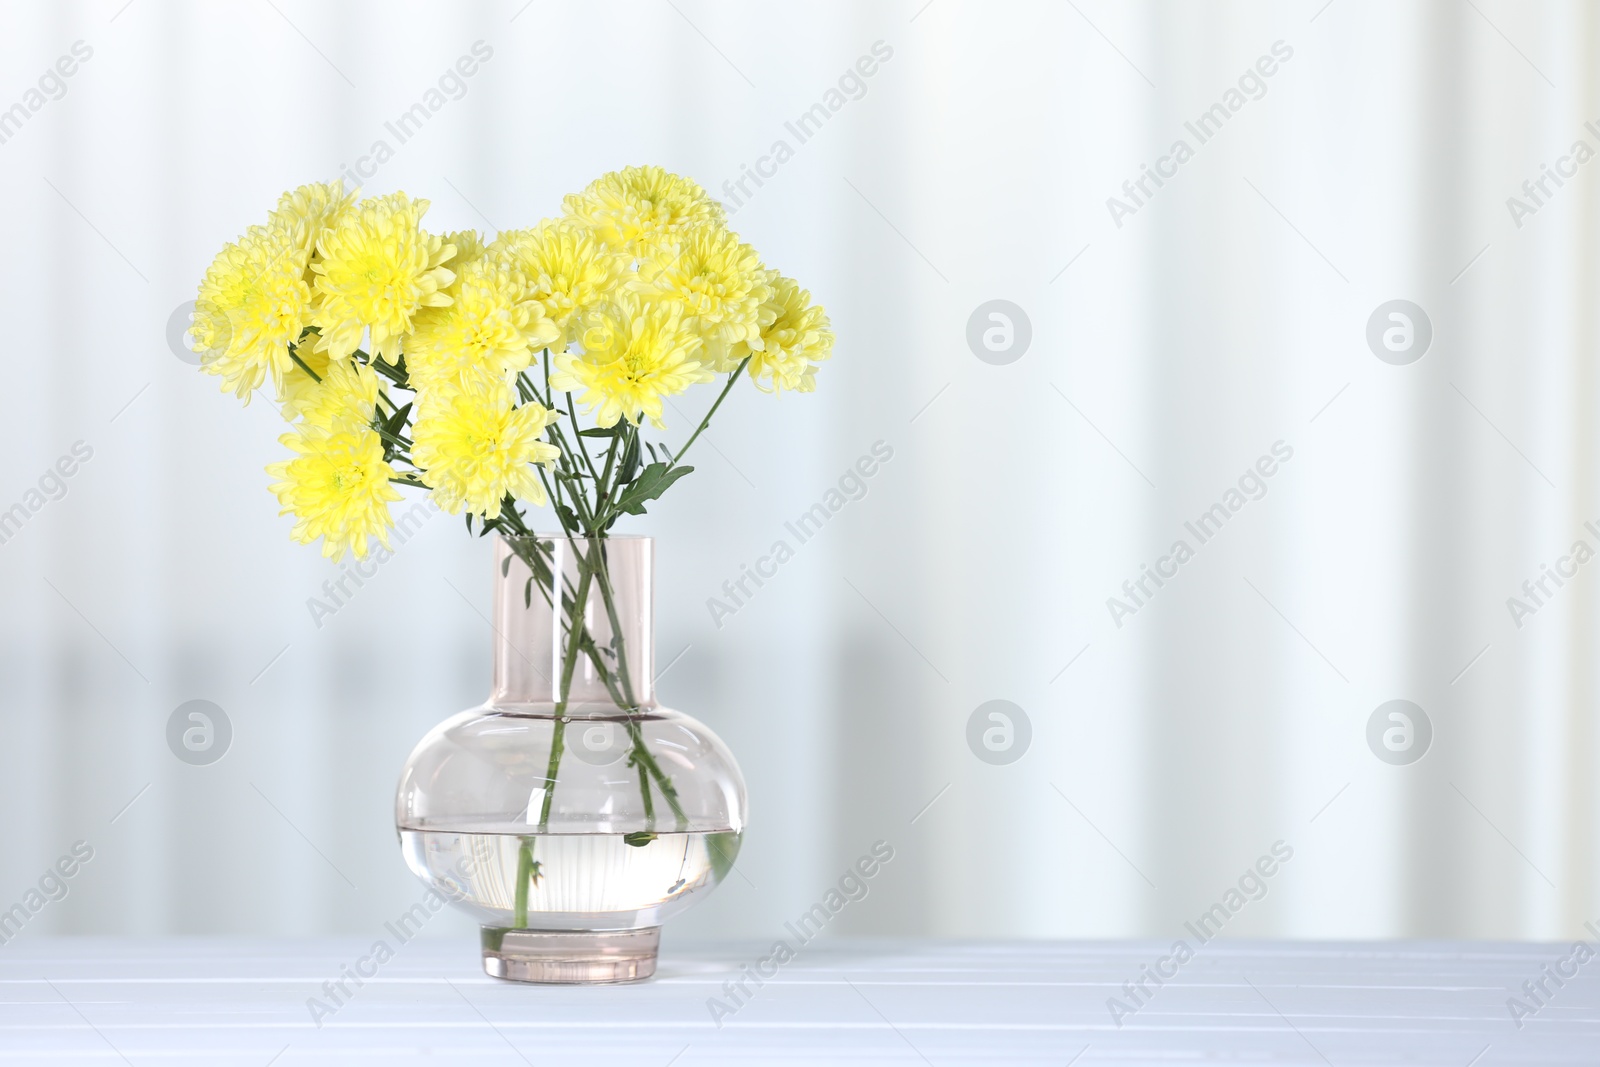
457, 365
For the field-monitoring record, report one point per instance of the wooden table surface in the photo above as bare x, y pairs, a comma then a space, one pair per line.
250, 1002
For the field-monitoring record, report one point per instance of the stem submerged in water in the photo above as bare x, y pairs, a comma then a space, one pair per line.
568, 663
526, 873
588, 497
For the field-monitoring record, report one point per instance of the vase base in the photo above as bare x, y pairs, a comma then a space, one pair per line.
570, 957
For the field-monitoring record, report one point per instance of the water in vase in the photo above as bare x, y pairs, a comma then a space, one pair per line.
584, 881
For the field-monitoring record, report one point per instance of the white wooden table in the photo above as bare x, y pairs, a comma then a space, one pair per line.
224, 1002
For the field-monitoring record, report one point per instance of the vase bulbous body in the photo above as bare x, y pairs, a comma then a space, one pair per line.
570, 813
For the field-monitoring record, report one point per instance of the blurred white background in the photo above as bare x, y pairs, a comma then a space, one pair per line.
1170, 348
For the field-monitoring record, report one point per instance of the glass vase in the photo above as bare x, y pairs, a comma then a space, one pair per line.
571, 814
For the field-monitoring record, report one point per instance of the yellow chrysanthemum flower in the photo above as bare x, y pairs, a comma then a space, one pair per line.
795, 337
565, 268
636, 350
337, 486
489, 327
378, 269
252, 303
348, 391
298, 390
634, 208
721, 284
469, 246
303, 215
476, 448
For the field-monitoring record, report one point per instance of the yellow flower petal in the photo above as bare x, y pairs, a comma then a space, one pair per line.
336, 486
794, 338
476, 448
634, 208
377, 269
489, 326
636, 350
253, 303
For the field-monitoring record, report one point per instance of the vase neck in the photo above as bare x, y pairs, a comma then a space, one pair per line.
574, 623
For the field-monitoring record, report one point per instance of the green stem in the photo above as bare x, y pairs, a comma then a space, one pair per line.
580, 504
605, 512
592, 517
400, 443
569, 662
641, 755
509, 513
558, 739
302, 365
642, 758
572, 414
649, 802
519, 917
525, 389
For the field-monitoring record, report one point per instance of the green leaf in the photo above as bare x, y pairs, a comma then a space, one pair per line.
395, 372
638, 839
398, 422
652, 482
724, 849
599, 431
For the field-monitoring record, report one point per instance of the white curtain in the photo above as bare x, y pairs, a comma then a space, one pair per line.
1178, 336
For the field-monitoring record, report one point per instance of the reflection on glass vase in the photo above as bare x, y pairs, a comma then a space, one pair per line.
571, 814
